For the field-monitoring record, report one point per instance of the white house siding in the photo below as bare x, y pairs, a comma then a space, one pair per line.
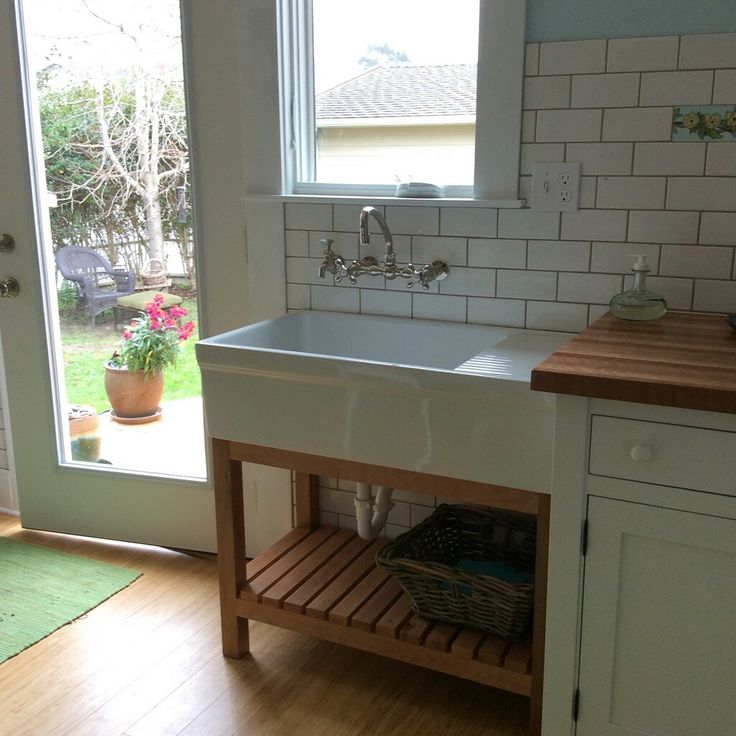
375, 154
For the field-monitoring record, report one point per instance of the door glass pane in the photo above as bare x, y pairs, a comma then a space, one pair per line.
395, 87
119, 248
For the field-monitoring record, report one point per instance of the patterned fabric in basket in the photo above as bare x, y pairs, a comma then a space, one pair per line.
433, 562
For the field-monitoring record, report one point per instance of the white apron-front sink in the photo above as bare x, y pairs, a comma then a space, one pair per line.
434, 397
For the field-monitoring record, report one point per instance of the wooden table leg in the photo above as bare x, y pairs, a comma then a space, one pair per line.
540, 615
231, 560
306, 492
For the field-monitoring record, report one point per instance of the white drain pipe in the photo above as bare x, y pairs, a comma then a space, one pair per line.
372, 513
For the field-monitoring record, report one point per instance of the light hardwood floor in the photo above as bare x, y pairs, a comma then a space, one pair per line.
147, 662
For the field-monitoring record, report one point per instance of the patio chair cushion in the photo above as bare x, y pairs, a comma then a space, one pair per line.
142, 299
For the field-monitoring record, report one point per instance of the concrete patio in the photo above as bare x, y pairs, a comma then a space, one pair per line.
174, 444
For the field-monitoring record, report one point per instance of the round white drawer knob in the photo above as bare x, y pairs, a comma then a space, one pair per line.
641, 453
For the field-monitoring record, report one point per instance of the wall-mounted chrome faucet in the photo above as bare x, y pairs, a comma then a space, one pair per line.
339, 268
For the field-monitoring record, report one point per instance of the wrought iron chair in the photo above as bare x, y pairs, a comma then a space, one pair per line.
98, 284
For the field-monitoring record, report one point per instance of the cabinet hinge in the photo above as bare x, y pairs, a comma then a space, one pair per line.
575, 704
584, 543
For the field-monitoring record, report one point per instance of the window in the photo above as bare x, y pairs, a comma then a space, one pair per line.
388, 92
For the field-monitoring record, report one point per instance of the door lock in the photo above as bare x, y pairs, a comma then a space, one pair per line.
7, 243
9, 287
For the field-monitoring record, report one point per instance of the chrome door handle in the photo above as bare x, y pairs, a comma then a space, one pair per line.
7, 243
9, 287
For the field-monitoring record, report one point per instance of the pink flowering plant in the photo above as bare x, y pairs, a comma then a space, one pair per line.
151, 342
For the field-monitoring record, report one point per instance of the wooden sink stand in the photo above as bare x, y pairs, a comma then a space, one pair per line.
323, 582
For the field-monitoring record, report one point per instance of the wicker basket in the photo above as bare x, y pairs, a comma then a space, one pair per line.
424, 561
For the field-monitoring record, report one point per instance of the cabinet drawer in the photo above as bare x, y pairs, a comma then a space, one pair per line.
665, 454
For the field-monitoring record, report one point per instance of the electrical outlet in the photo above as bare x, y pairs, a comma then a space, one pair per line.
555, 186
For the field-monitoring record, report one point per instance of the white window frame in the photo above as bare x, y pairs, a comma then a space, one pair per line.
501, 51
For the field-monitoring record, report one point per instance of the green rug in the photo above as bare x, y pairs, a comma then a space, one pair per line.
41, 590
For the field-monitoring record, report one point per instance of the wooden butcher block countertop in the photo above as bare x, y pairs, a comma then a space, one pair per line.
682, 360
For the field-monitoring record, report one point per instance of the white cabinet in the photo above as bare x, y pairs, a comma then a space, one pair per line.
658, 647
641, 628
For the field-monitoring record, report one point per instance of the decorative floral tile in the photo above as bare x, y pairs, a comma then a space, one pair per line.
704, 122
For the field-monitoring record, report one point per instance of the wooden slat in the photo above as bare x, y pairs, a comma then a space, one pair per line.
276, 594
310, 588
391, 622
255, 588
492, 650
256, 566
345, 582
467, 642
367, 615
306, 493
415, 630
519, 657
441, 636
346, 608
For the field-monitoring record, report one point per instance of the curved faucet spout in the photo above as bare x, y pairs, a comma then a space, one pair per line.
365, 237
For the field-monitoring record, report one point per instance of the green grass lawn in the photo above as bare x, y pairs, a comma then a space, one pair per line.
86, 349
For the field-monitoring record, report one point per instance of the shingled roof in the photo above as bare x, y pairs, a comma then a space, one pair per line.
402, 92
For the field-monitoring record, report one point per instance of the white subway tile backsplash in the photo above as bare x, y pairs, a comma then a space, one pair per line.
596, 311
697, 261
642, 54
385, 303
347, 218
572, 57
718, 228
539, 152
433, 306
334, 299
526, 284
721, 160
542, 93
678, 292
605, 90
468, 221
663, 227
568, 125
724, 89
715, 296
531, 59
637, 124
708, 51
669, 159
298, 296
469, 282
594, 225
631, 192
344, 244
528, 126
497, 253
297, 242
620, 257
559, 255
413, 220
598, 159
454, 251
676, 88
588, 188
705, 194
303, 216
589, 288
303, 271
556, 316
526, 224
504, 312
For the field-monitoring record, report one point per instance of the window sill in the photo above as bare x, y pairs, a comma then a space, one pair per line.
393, 201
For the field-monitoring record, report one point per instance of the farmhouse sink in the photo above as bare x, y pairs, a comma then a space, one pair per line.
435, 397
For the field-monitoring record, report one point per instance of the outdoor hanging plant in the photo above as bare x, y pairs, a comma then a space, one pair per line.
134, 374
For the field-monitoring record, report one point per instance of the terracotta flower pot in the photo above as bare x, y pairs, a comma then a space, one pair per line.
134, 397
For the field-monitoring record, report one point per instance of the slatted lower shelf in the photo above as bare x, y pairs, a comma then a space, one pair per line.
325, 583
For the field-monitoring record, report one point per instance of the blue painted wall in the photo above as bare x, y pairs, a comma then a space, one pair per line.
565, 20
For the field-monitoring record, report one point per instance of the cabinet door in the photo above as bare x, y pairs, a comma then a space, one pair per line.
658, 648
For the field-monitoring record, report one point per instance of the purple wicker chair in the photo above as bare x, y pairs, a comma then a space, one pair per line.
98, 284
